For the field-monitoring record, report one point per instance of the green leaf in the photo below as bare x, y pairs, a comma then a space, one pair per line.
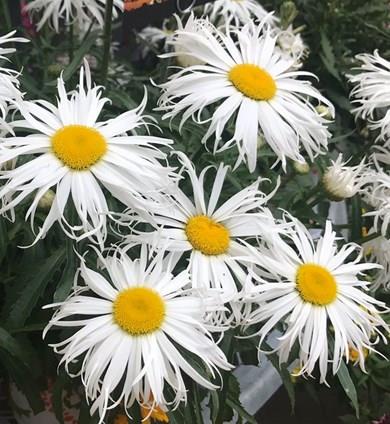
284, 375
21, 376
328, 57
348, 386
240, 410
356, 218
65, 283
3, 238
32, 288
77, 58
213, 405
58, 390
10, 345
233, 400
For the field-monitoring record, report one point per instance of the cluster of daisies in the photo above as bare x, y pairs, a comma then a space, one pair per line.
190, 266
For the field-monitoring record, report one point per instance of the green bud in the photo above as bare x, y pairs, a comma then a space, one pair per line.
288, 12
301, 167
324, 112
55, 69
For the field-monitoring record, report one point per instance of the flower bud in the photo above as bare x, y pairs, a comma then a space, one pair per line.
294, 375
46, 200
324, 111
55, 69
342, 182
288, 12
301, 167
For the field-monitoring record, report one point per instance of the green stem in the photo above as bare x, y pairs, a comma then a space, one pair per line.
71, 44
229, 352
107, 40
368, 238
7, 15
315, 200
198, 415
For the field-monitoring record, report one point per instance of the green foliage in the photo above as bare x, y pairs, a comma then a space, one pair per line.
335, 30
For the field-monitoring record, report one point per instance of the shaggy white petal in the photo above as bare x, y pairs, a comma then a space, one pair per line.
243, 216
353, 314
138, 368
372, 93
288, 121
130, 168
81, 12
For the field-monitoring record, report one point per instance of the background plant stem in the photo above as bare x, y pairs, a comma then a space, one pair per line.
107, 39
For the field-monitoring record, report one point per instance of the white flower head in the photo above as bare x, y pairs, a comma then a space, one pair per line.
212, 235
77, 154
184, 56
291, 45
311, 288
134, 330
9, 82
155, 38
378, 251
372, 93
376, 189
342, 182
250, 85
79, 12
236, 12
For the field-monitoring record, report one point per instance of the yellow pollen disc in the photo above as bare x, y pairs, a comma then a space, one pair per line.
354, 354
252, 81
316, 284
157, 414
207, 236
139, 311
78, 147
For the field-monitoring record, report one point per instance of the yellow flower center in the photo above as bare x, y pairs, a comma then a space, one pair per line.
157, 414
78, 147
139, 310
252, 81
121, 419
316, 284
207, 236
354, 354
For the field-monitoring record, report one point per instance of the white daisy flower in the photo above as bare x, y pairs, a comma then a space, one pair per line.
80, 12
320, 299
212, 236
372, 92
342, 182
376, 190
155, 38
378, 251
78, 154
137, 329
250, 84
9, 82
236, 12
291, 45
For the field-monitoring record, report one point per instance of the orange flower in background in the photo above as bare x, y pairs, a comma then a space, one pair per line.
121, 419
136, 4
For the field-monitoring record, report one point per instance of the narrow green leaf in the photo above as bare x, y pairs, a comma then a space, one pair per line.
21, 376
240, 410
77, 58
214, 405
356, 218
32, 289
284, 375
10, 345
348, 386
328, 57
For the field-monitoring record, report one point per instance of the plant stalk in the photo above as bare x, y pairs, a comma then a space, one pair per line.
107, 39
